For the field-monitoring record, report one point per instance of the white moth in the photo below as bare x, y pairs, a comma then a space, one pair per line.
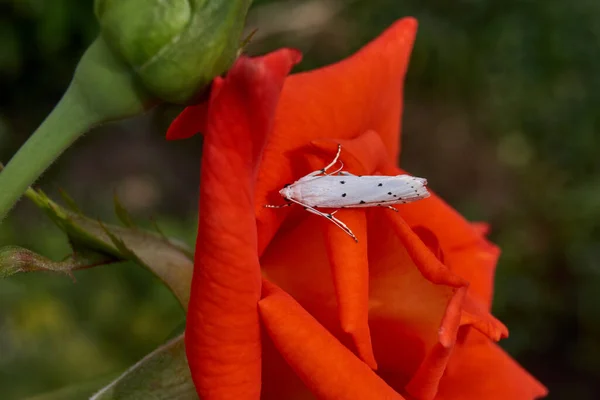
341, 189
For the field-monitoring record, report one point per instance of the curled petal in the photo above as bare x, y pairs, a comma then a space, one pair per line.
480, 369
425, 381
430, 240
466, 252
424, 259
407, 310
461, 310
328, 368
475, 313
350, 272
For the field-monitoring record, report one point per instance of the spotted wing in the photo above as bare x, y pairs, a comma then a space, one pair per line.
350, 191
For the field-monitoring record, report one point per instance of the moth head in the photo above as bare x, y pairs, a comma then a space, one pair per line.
285, 191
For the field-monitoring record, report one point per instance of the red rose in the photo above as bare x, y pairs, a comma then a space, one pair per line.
284, 305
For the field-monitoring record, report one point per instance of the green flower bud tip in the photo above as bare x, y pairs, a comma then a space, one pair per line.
176, 47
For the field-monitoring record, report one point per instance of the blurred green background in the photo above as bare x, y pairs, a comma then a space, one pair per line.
502, 105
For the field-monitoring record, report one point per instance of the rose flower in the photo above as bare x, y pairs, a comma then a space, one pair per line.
284, 305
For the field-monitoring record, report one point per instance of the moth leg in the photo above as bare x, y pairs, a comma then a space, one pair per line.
342, 225
314, 174
336, 222
344, 173
330, 217
392, 208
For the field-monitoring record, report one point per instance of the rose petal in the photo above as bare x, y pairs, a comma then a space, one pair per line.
409, 315
466, 252
474, 311
191, 121
482, 228
405, 309
328, 368
425, 381
424, 259
350, 271
480, 369
296, 260
430, 240
423, 384
476, 262
339, 101
223, 331
279, 381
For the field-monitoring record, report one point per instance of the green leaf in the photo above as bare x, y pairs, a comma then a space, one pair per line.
125, 252
169, 261
14, 259
122, 213
161, 375
69, 201
247, 41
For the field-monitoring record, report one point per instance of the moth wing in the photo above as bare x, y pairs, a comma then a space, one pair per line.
323, 191
387, 190
361, 191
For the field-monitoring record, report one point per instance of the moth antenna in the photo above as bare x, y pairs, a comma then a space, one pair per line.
277, 206
337, 170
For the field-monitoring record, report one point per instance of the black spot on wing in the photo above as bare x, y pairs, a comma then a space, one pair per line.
361, 202
343, 194
342, 182
390, 193
381, 184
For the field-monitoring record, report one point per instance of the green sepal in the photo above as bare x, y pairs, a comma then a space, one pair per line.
176, 47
